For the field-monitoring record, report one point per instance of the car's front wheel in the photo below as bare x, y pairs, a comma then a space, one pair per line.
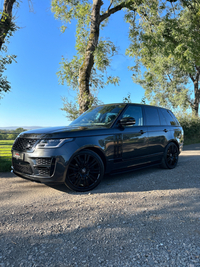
85, 171
170, 157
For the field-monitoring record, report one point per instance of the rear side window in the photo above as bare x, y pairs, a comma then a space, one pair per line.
174, 118
162, 118
152, 117
169, 120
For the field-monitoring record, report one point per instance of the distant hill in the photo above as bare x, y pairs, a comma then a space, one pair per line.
12, 128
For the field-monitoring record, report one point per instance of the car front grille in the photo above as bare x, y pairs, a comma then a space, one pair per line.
22, 166
22, 144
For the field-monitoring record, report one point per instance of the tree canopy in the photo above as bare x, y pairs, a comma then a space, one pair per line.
167, 43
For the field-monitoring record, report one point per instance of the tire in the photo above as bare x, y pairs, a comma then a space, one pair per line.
170, 157
85, 171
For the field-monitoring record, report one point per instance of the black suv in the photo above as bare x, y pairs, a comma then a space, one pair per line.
104, 139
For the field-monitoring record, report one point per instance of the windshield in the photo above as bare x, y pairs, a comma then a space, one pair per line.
101, 115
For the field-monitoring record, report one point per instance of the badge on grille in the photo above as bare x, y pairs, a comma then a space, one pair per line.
17, 155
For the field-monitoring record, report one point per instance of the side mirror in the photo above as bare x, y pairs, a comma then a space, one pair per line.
127, 121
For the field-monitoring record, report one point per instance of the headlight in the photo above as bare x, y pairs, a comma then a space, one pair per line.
52, 143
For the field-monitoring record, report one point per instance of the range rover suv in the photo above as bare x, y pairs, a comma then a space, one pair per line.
104, 139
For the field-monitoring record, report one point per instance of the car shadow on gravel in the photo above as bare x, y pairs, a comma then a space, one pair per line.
185, 175
153, 178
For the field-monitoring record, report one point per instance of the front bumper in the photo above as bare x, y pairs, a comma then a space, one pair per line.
55, 172
39, 173
41, 165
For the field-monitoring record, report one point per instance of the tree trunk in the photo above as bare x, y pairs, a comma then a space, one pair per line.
85, 97
196, 98
195, 80
6, 23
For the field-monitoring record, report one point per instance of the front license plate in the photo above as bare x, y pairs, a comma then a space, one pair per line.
18, 155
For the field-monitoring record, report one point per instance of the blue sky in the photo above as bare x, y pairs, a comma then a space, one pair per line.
35, 97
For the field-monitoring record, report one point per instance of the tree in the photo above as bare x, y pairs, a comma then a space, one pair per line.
7, 27
11, 136
2, 136
71, 108
167, 43
86, 71
127, 99
19, 130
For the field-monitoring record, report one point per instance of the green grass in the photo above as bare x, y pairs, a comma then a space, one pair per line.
5, 155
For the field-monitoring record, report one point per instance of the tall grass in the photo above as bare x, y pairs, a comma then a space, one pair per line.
5, 155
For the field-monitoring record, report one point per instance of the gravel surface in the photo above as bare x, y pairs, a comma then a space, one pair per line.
144, 218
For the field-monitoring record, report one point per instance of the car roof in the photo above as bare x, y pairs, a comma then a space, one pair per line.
138, 104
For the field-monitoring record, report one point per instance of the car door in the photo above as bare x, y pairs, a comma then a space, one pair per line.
158, 133
171, 125
134, 137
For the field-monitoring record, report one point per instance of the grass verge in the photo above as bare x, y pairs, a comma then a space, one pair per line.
5, 155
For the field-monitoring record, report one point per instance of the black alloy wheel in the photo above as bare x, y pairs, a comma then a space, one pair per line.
170, 158
85, 171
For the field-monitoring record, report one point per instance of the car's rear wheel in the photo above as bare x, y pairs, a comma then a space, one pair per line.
170, 157
85, 171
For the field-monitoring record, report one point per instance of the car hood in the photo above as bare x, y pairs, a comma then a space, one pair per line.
64, 131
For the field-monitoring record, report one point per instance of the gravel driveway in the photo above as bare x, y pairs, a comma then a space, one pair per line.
144, 218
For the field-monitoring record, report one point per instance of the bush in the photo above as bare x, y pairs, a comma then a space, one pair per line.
10, 134
191, 127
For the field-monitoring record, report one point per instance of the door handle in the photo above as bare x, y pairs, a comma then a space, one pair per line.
142, 132
165, 130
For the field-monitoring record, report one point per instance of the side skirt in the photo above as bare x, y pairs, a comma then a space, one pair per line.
134, 168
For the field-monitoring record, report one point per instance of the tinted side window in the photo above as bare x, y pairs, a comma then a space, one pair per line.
174, 118
168, 117
152, 117
136, 113
162, 118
